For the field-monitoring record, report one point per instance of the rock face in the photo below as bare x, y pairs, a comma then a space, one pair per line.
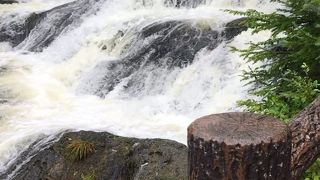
114, 158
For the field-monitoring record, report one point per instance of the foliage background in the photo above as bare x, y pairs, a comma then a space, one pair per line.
286, 75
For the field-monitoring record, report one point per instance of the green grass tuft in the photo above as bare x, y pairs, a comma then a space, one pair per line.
78, 150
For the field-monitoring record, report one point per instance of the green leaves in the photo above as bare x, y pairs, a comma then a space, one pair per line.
286, 101
317, 43
313, 173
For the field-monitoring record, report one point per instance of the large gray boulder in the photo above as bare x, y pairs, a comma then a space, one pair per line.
114, 158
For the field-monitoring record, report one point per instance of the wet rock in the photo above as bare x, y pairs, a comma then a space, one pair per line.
38, 30
58, 20
159, 48
14, 29
185, 3
115, 158
235, 27
8, 1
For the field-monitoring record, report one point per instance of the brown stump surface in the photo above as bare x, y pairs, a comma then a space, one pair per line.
239, 146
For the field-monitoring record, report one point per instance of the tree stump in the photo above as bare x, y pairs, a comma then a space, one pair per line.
305, 128
239, 146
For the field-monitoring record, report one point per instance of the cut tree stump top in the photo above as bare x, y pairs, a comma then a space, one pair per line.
239, 128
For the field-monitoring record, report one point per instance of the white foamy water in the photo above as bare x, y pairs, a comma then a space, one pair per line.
49, 92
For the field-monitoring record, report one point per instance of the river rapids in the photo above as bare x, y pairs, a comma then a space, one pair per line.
137, 68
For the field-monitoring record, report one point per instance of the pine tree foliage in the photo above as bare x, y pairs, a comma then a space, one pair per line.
288, 78
286, 75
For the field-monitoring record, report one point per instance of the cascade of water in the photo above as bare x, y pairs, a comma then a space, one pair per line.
142, 68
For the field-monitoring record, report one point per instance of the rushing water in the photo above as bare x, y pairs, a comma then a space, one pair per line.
141, 68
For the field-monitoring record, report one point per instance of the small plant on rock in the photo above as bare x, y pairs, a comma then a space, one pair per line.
90, 176
78, 150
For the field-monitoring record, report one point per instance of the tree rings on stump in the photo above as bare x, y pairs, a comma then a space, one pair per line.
239, 146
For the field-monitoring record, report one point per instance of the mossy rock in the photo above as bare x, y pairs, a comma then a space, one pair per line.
114, 158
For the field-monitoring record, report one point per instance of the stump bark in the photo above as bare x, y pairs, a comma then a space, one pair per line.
305, 128
239, 146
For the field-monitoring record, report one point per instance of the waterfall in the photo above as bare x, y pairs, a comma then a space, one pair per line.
138, 68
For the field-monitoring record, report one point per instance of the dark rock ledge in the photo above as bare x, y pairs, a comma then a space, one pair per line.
115, 158
8, 1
